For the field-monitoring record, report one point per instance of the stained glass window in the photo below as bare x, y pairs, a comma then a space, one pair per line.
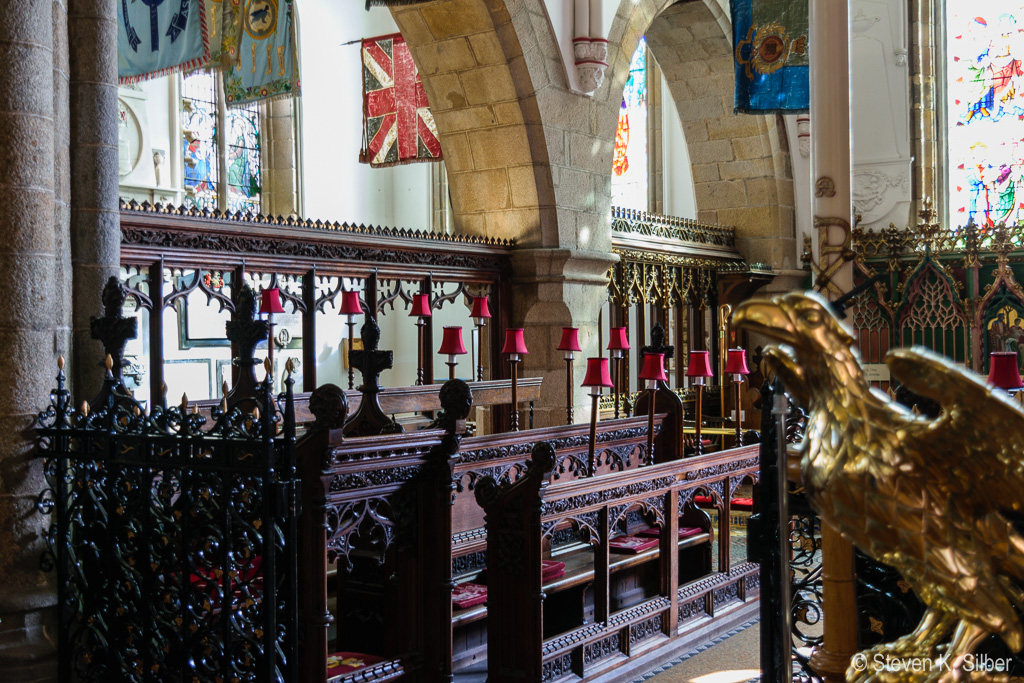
985, 105
243, 160
199, 132
201, 113
629, 158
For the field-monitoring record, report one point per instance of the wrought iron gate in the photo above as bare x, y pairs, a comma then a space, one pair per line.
174, 541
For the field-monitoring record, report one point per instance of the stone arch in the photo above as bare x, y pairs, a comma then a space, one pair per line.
740, 162
480, 66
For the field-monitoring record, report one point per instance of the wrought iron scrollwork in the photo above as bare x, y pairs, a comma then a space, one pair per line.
173, 537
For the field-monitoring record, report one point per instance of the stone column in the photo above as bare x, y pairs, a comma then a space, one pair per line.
28, 325
280, 176
558, 288
95, 219
831, 128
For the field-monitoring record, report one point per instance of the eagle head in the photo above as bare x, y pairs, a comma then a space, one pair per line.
812, 341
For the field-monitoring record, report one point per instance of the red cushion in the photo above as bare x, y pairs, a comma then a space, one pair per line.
735, 503
346, 662
549, 569
468, 594
684, 531
631, 544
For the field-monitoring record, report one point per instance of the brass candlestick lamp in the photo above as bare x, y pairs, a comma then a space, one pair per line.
698, 370
618, 344
515, 346
597, 377
653, 371
480, 314
736, 367
421, 310
570, 343
350, 307
452, 346
270, 303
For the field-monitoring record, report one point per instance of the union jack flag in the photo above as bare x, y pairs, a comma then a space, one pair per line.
398, 125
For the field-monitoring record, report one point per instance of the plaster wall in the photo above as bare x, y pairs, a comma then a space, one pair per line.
336, 185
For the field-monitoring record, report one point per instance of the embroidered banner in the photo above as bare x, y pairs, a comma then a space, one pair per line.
224, 24
771, 55
397, 123
155, 37
265, 64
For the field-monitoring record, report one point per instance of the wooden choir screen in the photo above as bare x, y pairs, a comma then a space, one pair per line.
201, 259
954, 291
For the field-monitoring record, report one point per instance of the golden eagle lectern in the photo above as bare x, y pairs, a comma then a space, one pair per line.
925, 496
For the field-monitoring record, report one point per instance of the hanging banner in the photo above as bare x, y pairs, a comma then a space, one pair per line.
224, 25
398, 127
265, 67
772, 66
156, 37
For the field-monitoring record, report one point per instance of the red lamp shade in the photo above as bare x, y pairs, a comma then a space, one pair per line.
514, 342
350, 304
1003, 371
598, 374
451, 342
480, 309
420, 306
654, 368
700, 364
570, 339
619, 339
270, 301
736, 362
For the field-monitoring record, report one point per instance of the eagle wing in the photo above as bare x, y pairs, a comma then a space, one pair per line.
973, 475
977, 442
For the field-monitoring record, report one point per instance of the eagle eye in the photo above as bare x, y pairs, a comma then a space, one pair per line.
811, 318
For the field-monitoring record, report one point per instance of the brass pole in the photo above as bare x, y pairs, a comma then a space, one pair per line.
618, 378
697, 413
351, 341
592, 459
739, 412
479, 353
650, 427
420, 322
515, 396
568, 391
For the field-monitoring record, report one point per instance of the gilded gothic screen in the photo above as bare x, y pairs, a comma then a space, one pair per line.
985, 105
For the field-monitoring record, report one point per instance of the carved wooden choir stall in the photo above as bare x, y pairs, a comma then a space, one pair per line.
310, 536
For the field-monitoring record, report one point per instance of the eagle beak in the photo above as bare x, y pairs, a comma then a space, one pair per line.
767, 317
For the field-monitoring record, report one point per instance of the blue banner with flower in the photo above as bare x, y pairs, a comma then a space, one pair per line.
772, 65
155, 37
264, 67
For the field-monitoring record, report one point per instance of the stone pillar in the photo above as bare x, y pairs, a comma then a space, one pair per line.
280, 175
831, 126
923, 112
95, 219
558, 288
28, 326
